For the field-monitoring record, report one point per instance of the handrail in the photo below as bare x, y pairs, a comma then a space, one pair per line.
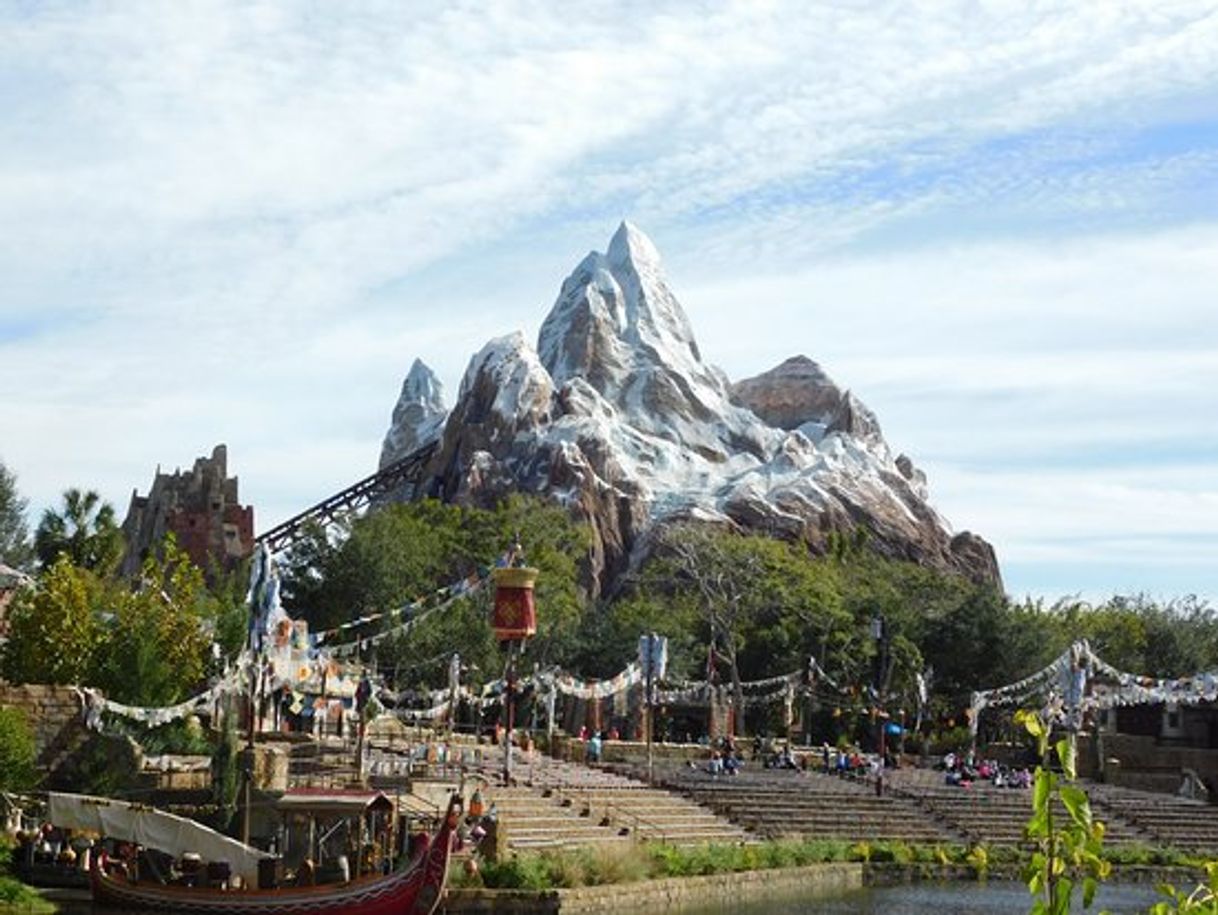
611, 806
655, 827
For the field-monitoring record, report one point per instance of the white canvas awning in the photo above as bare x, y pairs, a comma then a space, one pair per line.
332, 802
153, 828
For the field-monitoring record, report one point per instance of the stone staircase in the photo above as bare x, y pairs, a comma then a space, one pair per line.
783, 803
997, 816
556, 804
561, 804
1164, 820
535, 820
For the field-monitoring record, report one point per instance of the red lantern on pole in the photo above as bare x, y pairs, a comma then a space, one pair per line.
515, 616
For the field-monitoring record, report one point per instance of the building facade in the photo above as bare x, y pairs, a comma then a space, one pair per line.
200, 507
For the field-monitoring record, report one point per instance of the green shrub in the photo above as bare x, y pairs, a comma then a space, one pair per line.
567, 870
629, 863
621, 864
667, 861
16, 895
17, 755
460, 879
779, 854
519, 872
892, 852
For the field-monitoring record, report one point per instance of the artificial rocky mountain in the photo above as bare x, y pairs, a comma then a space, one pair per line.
418, 416
615, 414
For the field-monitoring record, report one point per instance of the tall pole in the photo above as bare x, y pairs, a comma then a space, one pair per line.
880, 631
509, 702
648, 705
247, 766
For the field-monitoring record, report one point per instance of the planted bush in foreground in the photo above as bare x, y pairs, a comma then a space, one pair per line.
628, 863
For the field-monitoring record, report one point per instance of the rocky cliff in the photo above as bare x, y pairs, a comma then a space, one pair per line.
615, 414
418, 416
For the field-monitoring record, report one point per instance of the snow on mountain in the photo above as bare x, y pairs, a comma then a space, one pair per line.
418, 416
616, 414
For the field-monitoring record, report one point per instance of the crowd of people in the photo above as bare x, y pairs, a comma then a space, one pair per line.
966, 770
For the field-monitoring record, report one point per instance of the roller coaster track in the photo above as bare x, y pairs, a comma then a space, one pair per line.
399, 477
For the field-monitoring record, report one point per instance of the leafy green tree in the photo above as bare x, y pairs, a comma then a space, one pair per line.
157, 646
228, 615
14, 535
557, 547
53, 630
18, 769
84, 530
1068, 851
967, 642
403, 553
389, 557
761, 605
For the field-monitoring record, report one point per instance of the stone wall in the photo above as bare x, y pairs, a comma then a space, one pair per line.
54, 714
1146, 763
672, 894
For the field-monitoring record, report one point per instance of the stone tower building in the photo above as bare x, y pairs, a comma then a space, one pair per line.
199, 507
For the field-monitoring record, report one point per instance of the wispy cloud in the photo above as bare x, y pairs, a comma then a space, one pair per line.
242, 221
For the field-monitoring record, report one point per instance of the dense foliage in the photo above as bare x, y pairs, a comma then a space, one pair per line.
15, 549
85, 530
404, 553
18, 771
767, 606
636, 861
747, 606
150, 644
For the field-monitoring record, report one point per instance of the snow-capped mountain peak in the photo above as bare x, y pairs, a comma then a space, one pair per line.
418, 416
616, 415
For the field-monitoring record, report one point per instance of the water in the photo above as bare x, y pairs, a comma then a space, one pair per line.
995, 897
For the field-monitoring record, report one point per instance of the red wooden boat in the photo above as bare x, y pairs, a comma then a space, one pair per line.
414, 891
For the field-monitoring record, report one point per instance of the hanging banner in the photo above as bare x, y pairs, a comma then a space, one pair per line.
1075, 683
653, 655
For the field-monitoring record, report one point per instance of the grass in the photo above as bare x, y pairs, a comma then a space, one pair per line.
629, 863
15, 896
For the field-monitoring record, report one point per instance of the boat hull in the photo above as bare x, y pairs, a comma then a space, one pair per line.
415, 891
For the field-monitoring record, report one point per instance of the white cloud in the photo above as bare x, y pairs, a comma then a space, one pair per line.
241, 221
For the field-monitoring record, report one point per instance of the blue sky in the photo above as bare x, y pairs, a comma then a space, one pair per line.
996, 222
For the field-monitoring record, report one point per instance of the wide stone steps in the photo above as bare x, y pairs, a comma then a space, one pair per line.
1168, 821
571, 804
1000, 815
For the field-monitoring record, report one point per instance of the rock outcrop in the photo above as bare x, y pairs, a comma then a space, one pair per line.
799, 394
418, 416
616, 415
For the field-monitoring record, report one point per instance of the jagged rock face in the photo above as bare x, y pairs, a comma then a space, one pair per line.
618, 327
505, 393
799, 394
418, 416
616, 415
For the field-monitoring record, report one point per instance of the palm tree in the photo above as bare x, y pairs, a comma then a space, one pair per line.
85, 531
